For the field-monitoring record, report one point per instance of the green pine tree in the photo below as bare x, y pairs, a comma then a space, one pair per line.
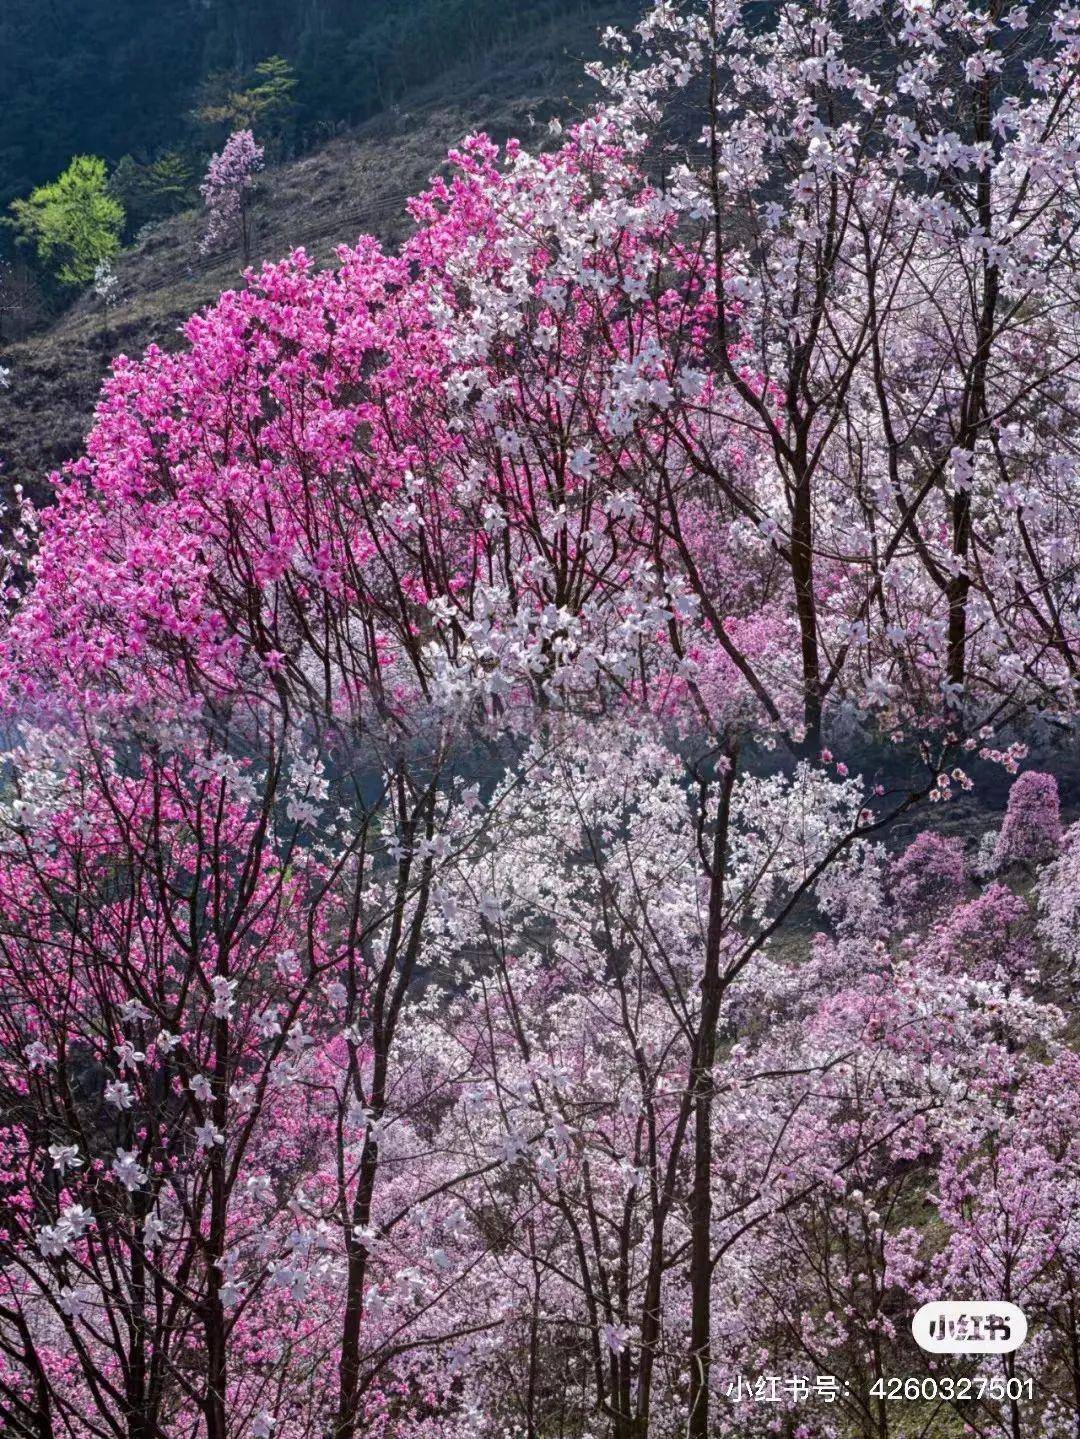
153, 191
265, 102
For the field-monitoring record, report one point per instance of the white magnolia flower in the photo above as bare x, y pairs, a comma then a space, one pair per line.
615, 1336
259, 1187
65, 1157
53, 1240
295, 1281
508, 1147
269, 1024
230, 1293
491, 909
223, 996
77, 1219
153, 1230
72, 1302
119, 1094
581, 462
132, 1010
128, 1170
127, 1056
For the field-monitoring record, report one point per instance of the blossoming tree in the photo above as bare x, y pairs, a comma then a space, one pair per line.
455, 977
226, 192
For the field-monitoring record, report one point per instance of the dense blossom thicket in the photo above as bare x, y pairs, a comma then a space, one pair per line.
459, 975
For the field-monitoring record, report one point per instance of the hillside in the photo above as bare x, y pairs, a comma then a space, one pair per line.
356, 183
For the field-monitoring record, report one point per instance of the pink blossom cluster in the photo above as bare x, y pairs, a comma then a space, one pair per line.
1032, 827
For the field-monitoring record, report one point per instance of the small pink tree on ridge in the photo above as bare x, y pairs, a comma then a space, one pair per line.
227, 190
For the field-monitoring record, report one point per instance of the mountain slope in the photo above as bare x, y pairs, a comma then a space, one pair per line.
355, 184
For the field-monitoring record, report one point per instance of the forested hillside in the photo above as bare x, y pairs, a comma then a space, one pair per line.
163, 58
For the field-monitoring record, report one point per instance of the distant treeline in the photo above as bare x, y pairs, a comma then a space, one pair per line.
138, 78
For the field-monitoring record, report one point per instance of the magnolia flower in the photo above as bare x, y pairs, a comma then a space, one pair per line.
691, 382
73, 1302
77, 1219
878, 690
490, 909
153, 1230
298, 1041
294, 1281
65, 1157
507, 1147
581, 462
119, 1094
207, 1135
259, 1187
230, 1293
302, 811
128, 1170
615, 1336
223, 1002
52, 1240
127, 1056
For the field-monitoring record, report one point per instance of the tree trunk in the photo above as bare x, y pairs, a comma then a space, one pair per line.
712, 988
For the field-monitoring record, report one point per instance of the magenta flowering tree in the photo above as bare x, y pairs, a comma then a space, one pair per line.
456, 978
212, 1146
1032, 827
227, 190
930, 874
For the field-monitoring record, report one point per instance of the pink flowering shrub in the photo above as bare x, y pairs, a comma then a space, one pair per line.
929, 875
1032, 827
